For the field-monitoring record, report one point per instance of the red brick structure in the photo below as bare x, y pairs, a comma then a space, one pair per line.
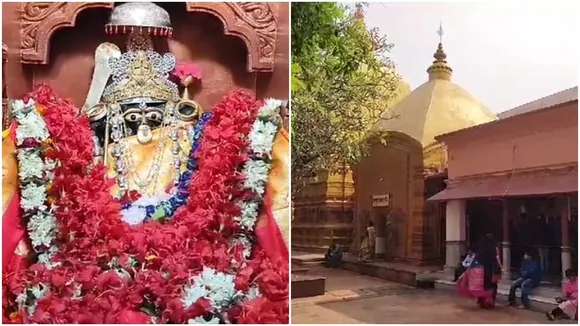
506, 176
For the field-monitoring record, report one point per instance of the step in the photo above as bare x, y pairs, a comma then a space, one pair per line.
308, 260
304, 286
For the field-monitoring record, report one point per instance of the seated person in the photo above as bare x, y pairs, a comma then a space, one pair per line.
333, 256
531, 275
568, 302
465, 263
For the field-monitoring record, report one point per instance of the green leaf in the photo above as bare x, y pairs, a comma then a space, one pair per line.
342, 81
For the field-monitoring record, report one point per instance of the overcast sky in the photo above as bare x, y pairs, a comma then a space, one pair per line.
505, 55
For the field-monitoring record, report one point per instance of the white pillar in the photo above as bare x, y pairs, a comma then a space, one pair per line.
380, 246
506, 245
455, 229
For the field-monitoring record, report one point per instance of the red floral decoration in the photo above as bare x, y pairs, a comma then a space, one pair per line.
92, 234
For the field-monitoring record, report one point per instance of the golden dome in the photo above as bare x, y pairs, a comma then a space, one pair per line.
436, 107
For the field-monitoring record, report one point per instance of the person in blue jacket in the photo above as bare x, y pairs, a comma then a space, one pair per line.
531, 275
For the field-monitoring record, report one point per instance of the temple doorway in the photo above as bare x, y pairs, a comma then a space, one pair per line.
435, 219
384, 246
483, 216
535, 226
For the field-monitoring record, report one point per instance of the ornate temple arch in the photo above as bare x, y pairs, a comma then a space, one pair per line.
254, 22
41, 19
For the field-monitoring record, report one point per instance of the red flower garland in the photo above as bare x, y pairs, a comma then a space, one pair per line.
92, 233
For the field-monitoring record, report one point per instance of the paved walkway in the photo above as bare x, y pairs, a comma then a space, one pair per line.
357, 299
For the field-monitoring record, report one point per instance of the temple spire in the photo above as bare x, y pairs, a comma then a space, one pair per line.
359, 12
439, 68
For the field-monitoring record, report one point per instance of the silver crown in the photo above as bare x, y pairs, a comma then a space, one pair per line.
141, 76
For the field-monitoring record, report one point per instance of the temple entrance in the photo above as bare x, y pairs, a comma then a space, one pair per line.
436, 218
383, 221
535, 226
483, 217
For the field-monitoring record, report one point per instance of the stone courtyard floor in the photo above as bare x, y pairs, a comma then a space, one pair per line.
352, 298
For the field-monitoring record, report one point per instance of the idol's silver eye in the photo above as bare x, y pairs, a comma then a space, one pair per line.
153, 116
133, 117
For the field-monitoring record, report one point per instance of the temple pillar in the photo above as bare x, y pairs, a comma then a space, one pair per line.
565, 220
506, 244
380, 234
454, 233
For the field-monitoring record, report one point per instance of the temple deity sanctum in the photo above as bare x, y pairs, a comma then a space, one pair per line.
145, 162
390, 186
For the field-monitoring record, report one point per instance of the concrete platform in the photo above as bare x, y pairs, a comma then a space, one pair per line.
304, 286
541, 299
299, 270
307, 259
390, 271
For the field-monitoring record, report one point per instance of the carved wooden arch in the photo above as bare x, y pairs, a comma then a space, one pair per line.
41, 19
254, 22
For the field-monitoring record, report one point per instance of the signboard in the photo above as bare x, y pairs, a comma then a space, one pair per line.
382, 200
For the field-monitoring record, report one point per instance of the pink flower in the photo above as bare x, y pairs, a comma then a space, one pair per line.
184, 70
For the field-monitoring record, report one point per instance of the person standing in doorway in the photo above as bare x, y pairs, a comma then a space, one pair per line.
372, 238
368, 244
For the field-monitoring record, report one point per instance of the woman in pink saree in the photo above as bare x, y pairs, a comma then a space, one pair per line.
480, 280
568, 302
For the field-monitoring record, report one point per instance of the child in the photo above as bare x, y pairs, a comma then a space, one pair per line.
465, 263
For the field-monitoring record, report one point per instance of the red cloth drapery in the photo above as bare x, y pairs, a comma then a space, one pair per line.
12, 230
268, 233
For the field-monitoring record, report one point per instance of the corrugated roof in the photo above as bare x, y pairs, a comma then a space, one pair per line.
568, 95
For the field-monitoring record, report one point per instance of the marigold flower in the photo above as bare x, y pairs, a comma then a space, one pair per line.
40, 109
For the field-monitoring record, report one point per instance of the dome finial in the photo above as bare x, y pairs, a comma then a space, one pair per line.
359, 12
440, 32
439, 69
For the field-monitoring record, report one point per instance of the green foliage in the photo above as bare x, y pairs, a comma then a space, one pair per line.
342, 79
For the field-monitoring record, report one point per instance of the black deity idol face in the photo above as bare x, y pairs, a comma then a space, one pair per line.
141, 118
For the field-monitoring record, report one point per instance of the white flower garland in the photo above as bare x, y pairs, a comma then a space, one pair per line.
33, 168
37, 292
30, 123
217, 287
257, 167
